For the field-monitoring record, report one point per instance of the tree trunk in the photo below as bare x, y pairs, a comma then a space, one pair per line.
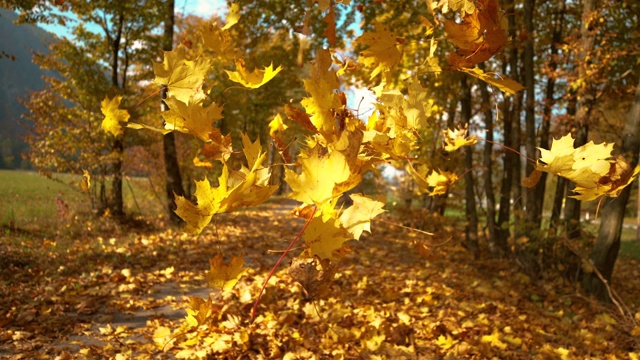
172, 168
438, 203
549, 102
605, 250
488, 170
471, 229
533, 200
117, 203
583, 112
510, 159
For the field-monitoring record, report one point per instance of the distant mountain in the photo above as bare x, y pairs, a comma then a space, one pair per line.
17, 78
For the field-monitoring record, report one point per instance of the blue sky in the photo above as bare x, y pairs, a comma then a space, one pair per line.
202, 8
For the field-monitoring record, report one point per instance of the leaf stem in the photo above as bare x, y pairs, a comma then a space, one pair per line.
273, 269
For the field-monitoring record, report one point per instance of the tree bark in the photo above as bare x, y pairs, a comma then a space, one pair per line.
438, 203
471, 229
533, 200
607, 245
117, 205
549, 102
172, 168
509, 162
494, 246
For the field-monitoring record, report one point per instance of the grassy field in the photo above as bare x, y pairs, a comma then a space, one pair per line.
36, 203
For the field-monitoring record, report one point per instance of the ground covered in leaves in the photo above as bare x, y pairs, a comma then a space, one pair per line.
124, 295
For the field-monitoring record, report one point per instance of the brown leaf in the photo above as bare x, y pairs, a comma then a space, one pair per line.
532, 180
314, 275
300, 117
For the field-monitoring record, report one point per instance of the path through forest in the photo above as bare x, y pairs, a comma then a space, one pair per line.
394, 296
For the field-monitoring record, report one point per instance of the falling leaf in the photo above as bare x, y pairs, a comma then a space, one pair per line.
479, 36
183, 77
357, 218
276, 125
591, 166
382, 51
225, 276
252, 80
113, 115
440, 181
464, 6
318, 177
324, 236
300, 117
454, 139
192, 117
323, 102
503, 83
532, 180
233, 16
85, 184
330, 30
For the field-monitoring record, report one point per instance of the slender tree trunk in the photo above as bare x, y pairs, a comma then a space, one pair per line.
172, 168
583, 112
438, 203
549, 103
117, 205
509, 158
607, 245
488, 170
533, 200
471, 229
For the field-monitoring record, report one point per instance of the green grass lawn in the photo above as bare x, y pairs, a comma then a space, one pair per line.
33, 202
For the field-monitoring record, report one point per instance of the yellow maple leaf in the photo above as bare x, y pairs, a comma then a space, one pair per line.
208, 204
324, 236
218, 41
559, 159
198, 310
382, 52
318, 178
252, 80
464, 6
224, 276
233, 16
113, 115
85, 184
183, 77
454, 139
357, 218
192, 117
591, 166
236, 189
503, 83
441, 181
276, 125
323, 102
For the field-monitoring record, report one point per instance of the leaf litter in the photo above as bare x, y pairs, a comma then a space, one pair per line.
129, 297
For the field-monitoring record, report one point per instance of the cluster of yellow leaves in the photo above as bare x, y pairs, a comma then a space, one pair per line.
592, 167
436, 183
248, 186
